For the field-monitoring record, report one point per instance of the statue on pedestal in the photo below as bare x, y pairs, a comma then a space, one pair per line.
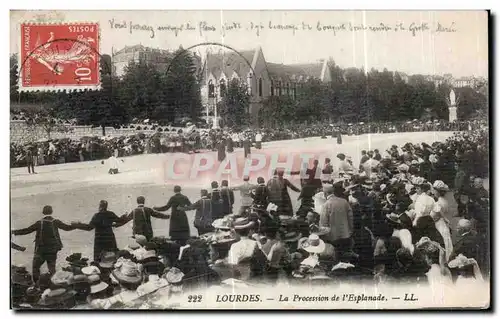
452, 106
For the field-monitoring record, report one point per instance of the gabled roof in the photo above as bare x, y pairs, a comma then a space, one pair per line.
229, 63
287, 72
141, 48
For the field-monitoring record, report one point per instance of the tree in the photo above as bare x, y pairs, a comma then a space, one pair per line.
277, 110
42, 117
471, 103
14, 78
139, 90
94, 107
233, 108
311, 102
182, 87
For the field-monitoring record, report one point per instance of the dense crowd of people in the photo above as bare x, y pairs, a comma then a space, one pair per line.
55, 151
387, 219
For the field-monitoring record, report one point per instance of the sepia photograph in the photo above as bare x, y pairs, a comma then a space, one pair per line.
240, 160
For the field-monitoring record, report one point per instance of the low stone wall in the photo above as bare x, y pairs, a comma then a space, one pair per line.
20, 132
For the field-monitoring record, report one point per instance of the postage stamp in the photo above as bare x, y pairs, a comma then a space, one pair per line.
62, 56
249, 160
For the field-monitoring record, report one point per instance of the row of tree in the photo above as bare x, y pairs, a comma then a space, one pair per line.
353, 95
165, 96
143, 92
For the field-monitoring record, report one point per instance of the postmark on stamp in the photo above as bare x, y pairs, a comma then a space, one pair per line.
57, 57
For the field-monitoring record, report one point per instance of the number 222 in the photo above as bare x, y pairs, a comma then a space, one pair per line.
194, 298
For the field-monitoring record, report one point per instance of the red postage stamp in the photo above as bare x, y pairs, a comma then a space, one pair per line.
59, 57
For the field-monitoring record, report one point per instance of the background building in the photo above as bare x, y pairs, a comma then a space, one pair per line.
137, 53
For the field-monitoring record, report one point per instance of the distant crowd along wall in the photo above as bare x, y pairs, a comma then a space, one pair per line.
22, 133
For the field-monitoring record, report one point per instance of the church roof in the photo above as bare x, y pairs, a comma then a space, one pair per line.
295, 72
229, 63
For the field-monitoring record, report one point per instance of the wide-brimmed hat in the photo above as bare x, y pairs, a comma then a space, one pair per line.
33, 291
61, 278
56, 296
271, 207
132, 246
224, 240
174, 275
20, 276
292, 236
242, 223
108, 259
440, 186
96, 284
427, 245
417, 180
312, 244
222, 223
342, 266
124, 254
147, 254
367, 183
461, 261
91, 270
79, 279
217, 238
393, 218
390, 198
314, 229
76, 260
140, 239
128, 272
403, 168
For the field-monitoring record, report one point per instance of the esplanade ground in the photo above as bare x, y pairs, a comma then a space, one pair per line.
74, 189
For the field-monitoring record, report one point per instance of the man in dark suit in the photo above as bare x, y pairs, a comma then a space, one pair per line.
227, 196
30, 159
215, 197
467, 242
260, 194
142, 219
203, 217
47, 241
246, 147
327, 171
221, 150
179, 225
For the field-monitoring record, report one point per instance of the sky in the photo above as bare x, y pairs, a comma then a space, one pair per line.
415, 42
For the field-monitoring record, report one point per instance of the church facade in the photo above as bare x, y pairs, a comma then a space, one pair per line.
263, 79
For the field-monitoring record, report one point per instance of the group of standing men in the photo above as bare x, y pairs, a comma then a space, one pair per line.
228, 142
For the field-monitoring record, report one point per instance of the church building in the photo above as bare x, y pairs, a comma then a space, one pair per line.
262, 78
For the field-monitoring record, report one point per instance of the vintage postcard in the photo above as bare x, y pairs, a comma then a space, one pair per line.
249, 160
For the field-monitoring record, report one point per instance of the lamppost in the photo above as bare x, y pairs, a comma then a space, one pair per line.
215, 124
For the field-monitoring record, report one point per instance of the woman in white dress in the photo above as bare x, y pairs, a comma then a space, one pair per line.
439, 215
438, 275
320, 200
